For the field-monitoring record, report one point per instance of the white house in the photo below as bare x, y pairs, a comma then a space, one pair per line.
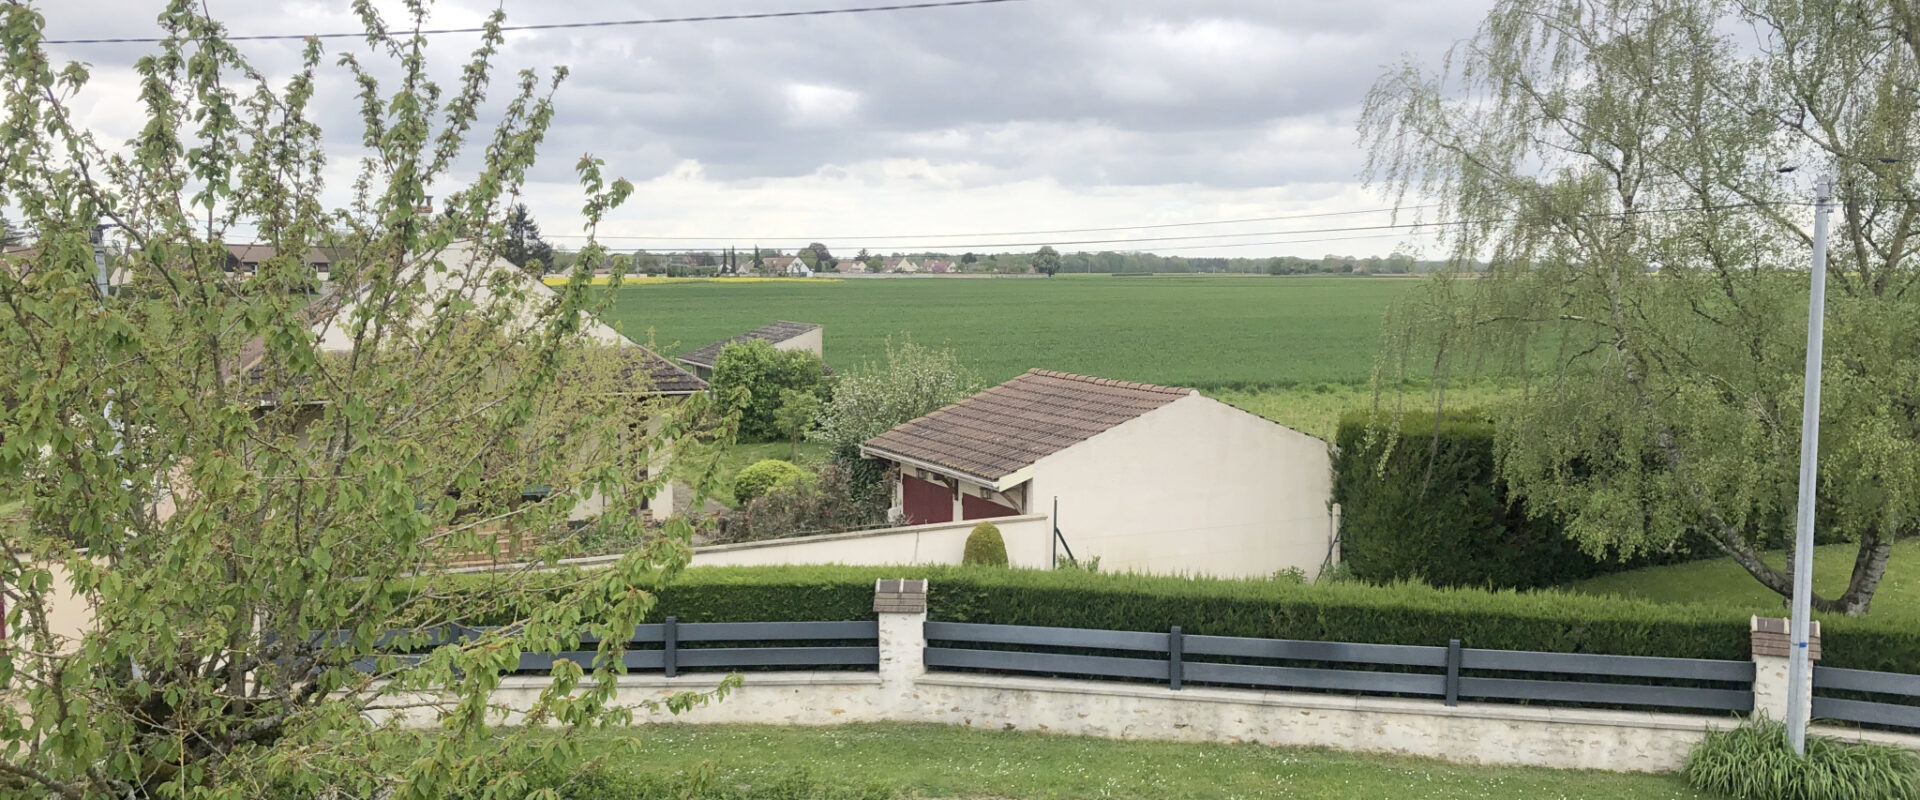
782, 335
1147, 478
899, 264
486, 280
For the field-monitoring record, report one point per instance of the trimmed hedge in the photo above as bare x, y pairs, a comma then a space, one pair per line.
1346, 612
985, 547
765, 475
1435, 509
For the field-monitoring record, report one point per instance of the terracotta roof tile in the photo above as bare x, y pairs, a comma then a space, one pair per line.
1007, 428
775, 333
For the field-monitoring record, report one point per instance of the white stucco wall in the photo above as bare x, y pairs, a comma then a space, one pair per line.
813, 341
1028, 539
1197, 487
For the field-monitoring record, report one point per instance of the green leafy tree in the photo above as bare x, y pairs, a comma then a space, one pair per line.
750, 379
1046, 260
246, 512
523, 245
1620, 163
817, 256
795, 416
911, 381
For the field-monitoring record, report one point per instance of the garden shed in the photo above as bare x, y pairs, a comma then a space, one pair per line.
1146, 478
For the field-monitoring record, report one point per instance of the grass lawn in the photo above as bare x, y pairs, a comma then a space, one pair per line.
1205, 332
1720, 580
934, 761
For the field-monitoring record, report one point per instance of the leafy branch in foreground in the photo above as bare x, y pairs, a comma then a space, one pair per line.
252, 485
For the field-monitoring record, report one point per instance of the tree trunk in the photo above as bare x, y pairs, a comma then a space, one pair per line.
1869, 567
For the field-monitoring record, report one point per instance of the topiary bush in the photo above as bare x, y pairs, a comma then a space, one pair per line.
765, 475
1421, 497
985, 547
1755, 762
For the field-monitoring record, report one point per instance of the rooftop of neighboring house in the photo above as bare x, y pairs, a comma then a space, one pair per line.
1010, 427
774, 334
256, 253
663, 377
464, 261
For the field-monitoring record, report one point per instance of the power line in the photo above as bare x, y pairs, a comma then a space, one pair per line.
568, 25
1406, 226
905, 236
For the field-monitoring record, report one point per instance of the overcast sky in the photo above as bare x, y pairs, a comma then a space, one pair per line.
858, 130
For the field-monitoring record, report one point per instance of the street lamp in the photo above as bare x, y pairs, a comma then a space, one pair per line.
1799, 672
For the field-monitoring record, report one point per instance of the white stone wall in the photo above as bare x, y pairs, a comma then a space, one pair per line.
903, 691
1028, 538
1193, 487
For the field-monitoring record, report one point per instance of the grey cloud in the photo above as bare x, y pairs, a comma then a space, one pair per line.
1224, 94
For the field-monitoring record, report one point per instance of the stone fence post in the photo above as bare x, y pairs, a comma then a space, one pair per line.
1771, 650
901, 606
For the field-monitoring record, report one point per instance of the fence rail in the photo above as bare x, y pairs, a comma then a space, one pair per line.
1900, 715
1423, 671
658, 647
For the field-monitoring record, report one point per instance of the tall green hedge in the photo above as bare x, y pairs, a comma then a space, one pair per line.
1348, 612
1420, 497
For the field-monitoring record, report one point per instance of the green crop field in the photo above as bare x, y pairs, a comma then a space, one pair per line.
1208, 332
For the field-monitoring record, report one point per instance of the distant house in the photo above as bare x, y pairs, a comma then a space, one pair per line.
245, 259
790, 266
899, 264
941, 267
782, 335
1146, 478
470, 274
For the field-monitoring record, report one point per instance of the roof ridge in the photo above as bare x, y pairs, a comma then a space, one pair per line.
1099, 381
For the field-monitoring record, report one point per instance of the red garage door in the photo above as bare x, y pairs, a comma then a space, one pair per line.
981, 508
926, 502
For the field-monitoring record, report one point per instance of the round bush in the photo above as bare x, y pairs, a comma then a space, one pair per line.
1755, 762
760, 477
985, 547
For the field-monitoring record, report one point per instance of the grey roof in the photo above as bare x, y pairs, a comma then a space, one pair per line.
776, 333
663, 376
1007, 428
256, 253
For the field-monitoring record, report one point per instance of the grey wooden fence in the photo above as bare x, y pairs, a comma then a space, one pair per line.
663, 647
1901, 715
1449, 673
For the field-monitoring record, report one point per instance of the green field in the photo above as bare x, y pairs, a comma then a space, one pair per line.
1212, 332
933, 761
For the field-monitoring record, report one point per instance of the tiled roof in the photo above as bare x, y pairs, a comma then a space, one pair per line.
1007, 428
775, 333
663, 376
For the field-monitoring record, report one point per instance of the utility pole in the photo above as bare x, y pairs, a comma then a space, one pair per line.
98, 238
1799, 672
